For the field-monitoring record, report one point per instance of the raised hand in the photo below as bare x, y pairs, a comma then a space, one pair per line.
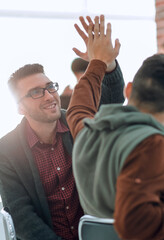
96, 29
83, 36
99, 44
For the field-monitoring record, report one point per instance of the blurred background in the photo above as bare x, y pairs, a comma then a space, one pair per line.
39, 31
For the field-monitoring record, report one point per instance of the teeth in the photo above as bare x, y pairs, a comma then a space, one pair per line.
52, 106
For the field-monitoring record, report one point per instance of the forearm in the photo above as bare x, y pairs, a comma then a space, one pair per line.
139, 205
112, 86
28, 224
138, 215
86, 96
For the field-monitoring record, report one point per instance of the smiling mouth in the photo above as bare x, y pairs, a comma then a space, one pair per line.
51, 106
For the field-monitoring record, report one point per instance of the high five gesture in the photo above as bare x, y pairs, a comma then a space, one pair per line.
98, 41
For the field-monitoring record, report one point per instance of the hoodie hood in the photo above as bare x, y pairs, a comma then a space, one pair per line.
114, 116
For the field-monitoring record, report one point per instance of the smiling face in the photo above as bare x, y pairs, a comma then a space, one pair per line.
42, 110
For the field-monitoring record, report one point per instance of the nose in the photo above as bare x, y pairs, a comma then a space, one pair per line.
48, 95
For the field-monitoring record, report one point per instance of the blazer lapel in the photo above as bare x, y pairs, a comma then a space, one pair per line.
30, 175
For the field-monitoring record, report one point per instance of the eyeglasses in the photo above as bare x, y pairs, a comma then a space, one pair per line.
40, 92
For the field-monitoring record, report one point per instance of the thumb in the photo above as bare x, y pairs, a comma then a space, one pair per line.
117, 46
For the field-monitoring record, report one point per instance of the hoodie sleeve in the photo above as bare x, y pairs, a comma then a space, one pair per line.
95, 88
86, 96
139, 204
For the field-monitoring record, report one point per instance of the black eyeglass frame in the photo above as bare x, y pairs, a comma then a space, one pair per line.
50, 90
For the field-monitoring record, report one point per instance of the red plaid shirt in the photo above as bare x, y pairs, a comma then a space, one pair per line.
55, 168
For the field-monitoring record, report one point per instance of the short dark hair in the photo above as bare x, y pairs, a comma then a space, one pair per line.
79, 65
148, 84
25, 71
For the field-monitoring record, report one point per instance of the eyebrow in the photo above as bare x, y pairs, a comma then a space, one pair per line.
40, 87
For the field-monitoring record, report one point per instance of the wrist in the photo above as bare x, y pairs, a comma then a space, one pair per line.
111, 66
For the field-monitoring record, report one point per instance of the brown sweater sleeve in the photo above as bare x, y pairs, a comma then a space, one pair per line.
139, 205
86, 96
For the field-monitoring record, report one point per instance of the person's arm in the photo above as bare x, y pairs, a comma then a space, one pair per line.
112, 86
86, 95
27, 223
108, 89
139, 204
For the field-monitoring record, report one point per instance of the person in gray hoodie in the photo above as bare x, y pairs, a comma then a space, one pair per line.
118, 154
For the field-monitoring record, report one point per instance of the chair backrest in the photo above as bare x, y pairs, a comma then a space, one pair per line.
1, 204
7, 231
94, 228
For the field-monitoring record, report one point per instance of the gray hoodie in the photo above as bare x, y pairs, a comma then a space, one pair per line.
100, 150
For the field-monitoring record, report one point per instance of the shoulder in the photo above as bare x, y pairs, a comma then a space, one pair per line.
149, 155
9, 137
153, 144
63, 117
12, 140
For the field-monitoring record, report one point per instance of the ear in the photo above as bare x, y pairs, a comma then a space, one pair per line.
128, 90
21, 109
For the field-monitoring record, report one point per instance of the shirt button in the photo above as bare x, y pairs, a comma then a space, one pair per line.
52, 149
72, 227
67, 207
63, 188
138, 180
58, 168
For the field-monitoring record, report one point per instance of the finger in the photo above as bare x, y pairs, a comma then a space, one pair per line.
117, 47
81, 33
108, 31
89, 19
90, 34
90, 22
84, 24
96, 27
102, 25
78, 53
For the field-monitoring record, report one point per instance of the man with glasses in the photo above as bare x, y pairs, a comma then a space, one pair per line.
36, 180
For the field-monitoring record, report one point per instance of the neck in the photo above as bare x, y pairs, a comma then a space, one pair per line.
44, 131
158, 116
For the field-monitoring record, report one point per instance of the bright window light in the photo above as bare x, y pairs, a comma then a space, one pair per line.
50, 41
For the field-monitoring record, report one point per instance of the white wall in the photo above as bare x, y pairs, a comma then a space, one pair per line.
49, 41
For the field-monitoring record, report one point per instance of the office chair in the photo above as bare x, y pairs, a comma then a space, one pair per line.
7, 230
94, 228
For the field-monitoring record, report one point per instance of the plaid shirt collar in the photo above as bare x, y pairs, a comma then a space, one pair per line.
32, 137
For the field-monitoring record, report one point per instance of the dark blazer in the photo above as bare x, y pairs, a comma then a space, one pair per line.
21, 188
20, 185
